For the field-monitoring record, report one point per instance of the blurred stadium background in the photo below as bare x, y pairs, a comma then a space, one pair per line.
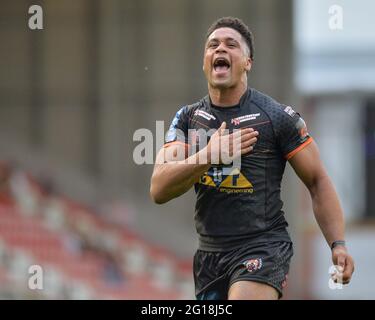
73, 201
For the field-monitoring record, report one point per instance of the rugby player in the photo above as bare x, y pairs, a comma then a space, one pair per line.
244, 247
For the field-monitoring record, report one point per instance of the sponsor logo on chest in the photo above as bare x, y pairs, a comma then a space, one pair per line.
247, 117
204, 114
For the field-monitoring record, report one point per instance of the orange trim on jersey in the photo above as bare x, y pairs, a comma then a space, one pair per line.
176, 142
296, 150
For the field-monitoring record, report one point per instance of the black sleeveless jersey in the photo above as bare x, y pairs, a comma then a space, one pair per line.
235, 205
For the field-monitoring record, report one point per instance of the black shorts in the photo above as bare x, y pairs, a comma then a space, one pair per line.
215, 272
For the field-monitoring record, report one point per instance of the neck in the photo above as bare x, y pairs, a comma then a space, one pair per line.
224, 97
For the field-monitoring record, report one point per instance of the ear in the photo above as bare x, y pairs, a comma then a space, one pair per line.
248, 64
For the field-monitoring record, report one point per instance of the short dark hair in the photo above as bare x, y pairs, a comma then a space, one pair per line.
238, 25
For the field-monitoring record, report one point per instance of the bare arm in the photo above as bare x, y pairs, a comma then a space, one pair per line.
327, 210
326, 206
174, 176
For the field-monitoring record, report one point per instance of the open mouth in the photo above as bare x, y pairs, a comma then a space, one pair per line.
221, 64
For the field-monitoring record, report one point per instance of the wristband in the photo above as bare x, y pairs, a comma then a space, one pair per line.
337, 243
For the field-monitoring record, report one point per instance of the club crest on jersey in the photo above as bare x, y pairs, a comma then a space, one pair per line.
253, 264
204, 114
247, 117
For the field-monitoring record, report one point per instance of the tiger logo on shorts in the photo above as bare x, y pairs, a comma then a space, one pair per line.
253, 264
